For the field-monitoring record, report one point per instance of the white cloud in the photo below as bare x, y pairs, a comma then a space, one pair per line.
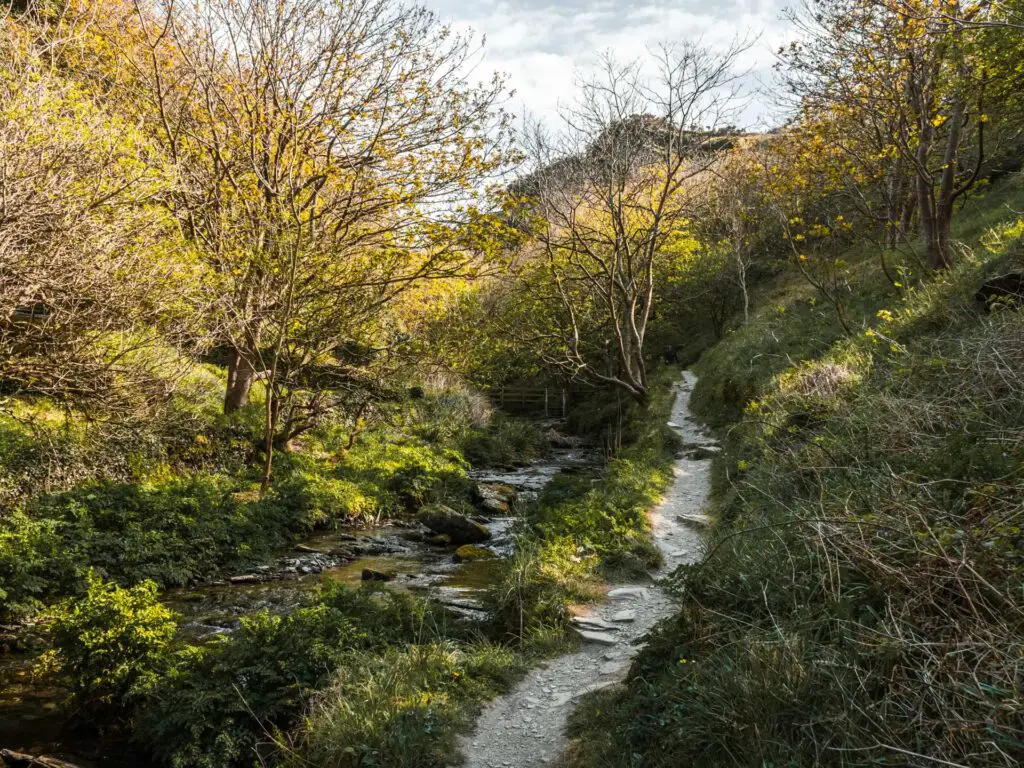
541, 44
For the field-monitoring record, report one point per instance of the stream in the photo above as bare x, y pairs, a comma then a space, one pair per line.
31, 719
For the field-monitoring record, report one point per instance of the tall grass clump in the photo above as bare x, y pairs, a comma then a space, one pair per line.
401, 708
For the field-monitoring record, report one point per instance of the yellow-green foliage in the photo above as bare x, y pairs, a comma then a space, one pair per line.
111, 645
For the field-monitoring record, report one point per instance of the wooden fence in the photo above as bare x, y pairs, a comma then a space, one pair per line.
523, 401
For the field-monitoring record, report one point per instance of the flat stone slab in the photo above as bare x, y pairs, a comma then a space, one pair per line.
589, 622
628, 592
695, 519
624, 616
598, 638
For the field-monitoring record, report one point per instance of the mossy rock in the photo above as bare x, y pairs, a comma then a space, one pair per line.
495, 497
470, 552
459, 528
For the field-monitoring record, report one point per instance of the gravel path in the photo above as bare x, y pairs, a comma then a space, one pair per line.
526, 728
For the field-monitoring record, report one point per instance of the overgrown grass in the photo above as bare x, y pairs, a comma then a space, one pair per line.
402, 708
389, 675
861, 600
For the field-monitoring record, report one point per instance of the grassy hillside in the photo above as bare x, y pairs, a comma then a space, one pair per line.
862, 598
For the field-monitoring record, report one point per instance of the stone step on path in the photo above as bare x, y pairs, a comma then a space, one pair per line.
526, 728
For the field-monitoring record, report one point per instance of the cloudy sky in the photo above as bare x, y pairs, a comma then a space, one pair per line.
540, 44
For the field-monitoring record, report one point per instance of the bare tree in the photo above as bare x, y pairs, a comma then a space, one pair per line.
612, 190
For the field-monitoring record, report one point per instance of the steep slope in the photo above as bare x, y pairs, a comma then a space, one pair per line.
861, 600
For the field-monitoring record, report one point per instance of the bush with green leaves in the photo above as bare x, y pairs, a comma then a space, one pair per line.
217, 710
320, 500
506, 441
406, 471
112, 645
171, 532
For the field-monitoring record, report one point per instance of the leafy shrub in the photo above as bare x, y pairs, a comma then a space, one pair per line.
111, 645
34, 564
171, 533
508, 441
215, 711
407, 471
320, 500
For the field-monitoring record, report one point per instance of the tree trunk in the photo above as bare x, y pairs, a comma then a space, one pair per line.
942, 257
742, 276
241, 374
926, 204
909, 209
269, 432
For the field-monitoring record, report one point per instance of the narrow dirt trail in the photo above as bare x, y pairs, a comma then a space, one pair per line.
526, 728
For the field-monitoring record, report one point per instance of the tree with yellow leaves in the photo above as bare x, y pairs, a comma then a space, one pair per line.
327, 156
896, 87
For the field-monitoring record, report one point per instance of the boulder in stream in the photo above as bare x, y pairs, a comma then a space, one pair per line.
459, 528
371, 575
496, 498
469, 552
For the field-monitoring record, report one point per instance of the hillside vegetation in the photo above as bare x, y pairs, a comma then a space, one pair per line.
860, 599
261, 262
